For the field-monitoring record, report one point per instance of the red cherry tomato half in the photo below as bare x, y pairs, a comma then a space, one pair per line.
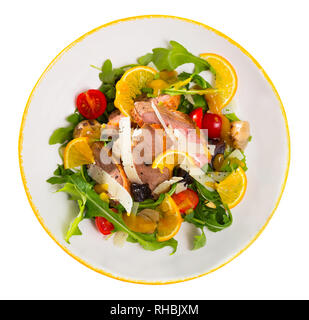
197, 116
103, 225
213, 123
91, 104
185, 200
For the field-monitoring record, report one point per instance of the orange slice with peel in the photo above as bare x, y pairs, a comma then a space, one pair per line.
170, 219
233, 188
77, 152
171, 158
226, 82
130, 85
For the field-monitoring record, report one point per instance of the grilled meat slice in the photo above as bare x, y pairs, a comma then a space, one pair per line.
114, 118
143, 113
146, 146
171, 102
105, 161
240, 133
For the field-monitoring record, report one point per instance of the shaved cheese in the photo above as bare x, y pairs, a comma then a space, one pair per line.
120, 238
115, 189
125, 146
236, 154
211, 148
181, 186
198, 174
168, 132
165, 185
218, 176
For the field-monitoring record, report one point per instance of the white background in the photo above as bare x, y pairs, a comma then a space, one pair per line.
32, 266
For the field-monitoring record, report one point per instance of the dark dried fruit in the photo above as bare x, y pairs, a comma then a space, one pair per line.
187, 179
140, 192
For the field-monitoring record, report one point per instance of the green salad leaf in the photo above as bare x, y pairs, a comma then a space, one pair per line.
195, 78
64, 134
146, 59
232, 116
81, 190
215, 218
199, 240
173, 57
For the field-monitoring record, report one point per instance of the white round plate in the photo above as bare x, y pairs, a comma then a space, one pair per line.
52, 99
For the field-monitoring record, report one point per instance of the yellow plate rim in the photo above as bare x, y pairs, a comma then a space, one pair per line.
20, 145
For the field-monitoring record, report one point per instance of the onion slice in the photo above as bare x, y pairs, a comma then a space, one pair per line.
115, 189
125, 145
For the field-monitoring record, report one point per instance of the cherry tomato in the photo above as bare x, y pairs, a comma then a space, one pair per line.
213, 123
104, 225
197, 116
91, 104
185, 200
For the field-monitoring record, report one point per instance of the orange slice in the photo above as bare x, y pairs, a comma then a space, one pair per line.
171, 158
226, 82
233, 188
170, 219
77, 153
130, 85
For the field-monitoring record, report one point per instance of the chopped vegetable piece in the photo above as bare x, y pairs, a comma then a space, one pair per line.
186, 200
103, 225
91, 104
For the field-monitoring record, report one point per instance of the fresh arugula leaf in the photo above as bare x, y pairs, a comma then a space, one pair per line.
56, 180
231, 116
150, 204
199, 101
75, 118
216, 219
195, 78
60, 171
230, 164
62, 135
160, 59
191, 219
199, 240
110, 75
208, 195
173, 92
80, 189
146, 59
185, 106
175, 56
73, 228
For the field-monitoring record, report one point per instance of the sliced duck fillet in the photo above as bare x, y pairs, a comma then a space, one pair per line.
171, 102
105, 161
153, 177
114, 118
143, 113
150, 143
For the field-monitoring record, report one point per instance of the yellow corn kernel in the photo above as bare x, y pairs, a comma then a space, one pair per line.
104, 196
99, 188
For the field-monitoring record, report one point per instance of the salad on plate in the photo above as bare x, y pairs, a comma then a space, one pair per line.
155, 146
